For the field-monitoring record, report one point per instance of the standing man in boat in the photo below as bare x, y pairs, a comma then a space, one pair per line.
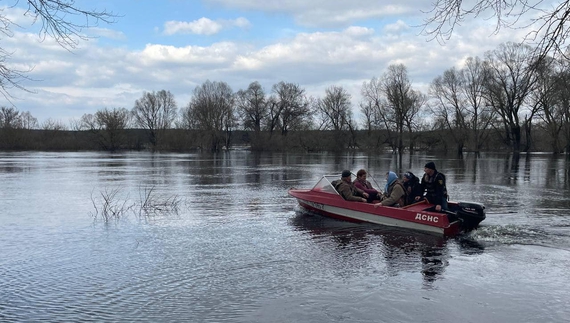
347, 190
362, 183
433, 184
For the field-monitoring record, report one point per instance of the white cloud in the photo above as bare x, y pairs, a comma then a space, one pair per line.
397, 28
216, 53
356, 31
107, 33
329, 12
203, 26
92, 77
240, 22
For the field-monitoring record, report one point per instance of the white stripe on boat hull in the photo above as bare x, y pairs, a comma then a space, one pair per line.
372, 218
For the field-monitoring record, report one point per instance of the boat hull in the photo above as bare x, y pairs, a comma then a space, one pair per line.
416, 216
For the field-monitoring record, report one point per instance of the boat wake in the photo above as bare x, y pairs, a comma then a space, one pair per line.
511, 234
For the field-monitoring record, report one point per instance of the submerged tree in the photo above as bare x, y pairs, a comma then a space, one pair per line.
459, 107
450, 106
211, 110
372, 107
155, 112
9, 118
510, 78
562, 83
334, 109
481, 115
13, 124
289, 108
335, 113
251, 105
109, 126
545, 99
396, 104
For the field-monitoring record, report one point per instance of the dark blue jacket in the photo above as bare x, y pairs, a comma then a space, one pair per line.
435, 188
413, 189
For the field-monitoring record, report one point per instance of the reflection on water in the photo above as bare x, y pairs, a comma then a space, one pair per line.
399, 248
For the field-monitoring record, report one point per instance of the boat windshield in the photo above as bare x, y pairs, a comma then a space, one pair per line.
324, 185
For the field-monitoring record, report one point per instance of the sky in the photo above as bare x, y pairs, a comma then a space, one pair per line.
177, 45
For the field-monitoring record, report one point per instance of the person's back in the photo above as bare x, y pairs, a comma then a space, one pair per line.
412, 186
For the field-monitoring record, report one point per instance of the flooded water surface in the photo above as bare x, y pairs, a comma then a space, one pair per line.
216, 238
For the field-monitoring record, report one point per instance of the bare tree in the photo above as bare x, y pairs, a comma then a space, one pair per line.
252, 107
374, 107
367, 111
335, 113
28, 120
11, 135
289, 108
88, 122
390, 103
53, 126
450, 108
10, 118
547, 101
481, 115
335, 109
549, 23
109, 126
403, 102
59, 20
563, 100
510, 77
155, 112
211, 110
418, 101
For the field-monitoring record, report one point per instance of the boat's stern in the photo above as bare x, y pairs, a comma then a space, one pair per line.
470, 214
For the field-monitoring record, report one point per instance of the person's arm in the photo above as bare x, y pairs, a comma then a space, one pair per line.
395, 195
361, 193
358, 191
421, 189
439, 185
371, 188
346, 192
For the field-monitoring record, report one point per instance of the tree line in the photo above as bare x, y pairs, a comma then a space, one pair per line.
509, 99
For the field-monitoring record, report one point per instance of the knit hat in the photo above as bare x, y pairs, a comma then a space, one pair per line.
346, 173
409, 175
430, 165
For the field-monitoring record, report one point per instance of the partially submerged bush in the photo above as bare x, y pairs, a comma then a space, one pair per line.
110, 205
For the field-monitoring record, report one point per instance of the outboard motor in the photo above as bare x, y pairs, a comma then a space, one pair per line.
471, 214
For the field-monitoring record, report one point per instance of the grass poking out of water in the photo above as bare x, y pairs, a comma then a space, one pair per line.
112, 204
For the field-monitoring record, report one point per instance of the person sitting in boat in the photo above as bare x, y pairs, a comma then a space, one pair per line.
361, 183
347, 190
394, 192
412, 186
433, 184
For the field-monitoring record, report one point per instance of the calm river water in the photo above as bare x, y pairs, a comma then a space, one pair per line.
223, 242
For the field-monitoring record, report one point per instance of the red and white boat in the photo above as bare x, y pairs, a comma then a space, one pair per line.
325, 200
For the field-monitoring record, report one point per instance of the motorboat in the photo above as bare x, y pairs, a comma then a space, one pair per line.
324, 199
